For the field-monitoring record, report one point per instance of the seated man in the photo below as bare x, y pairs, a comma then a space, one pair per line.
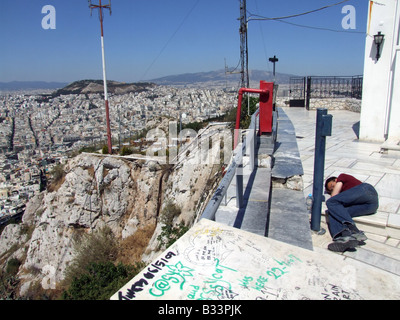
349, 198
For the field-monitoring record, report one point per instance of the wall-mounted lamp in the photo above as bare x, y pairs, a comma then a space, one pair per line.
378, 39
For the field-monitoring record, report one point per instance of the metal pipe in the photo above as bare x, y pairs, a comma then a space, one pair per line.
239, 109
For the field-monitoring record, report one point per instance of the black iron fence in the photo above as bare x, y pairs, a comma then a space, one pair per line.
335, 87
297, 91
303, 89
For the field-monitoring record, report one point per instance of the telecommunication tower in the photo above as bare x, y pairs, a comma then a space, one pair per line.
102, 7
244, 58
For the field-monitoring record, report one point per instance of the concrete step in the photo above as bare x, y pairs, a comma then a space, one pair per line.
379, 251
289, 219
272, 209
287, 161
253, 215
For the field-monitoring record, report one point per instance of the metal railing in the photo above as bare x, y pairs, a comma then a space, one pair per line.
320, 87
336, 87
245, 148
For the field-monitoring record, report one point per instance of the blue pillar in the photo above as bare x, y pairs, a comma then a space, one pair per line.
323, 129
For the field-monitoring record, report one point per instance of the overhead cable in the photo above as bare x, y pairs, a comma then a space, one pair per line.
281, 19
319, 28
294, 15
171, 37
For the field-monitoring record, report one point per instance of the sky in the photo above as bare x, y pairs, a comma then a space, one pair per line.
148, 39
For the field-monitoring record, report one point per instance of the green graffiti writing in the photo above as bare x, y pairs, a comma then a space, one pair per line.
273, 273
215, 286
176, 274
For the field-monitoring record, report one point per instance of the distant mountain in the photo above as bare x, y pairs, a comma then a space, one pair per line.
209, 79
220, 78
30, 85
96, 86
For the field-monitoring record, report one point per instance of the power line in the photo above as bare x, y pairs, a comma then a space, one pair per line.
319, 28
170, 39
281, 19
294, 15
262, 38
233, 70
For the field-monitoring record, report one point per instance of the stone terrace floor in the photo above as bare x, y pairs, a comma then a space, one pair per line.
346, 154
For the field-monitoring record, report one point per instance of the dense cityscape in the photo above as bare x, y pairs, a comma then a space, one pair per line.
39, 131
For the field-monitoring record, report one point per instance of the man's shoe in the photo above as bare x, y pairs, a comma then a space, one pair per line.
341, 244
359, 236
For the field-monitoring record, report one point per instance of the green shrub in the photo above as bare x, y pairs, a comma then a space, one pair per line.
100, 281
125, 151
58, 173
97, 247
169, 233
170, 211
245, 118
92, 275
13, 266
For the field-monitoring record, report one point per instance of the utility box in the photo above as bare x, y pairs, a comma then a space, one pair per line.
326, 125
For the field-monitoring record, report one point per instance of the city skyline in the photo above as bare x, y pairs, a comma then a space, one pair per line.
151, 39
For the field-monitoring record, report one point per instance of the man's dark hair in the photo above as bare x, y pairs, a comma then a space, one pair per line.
326, 184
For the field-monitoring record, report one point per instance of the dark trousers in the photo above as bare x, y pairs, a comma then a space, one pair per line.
358, 201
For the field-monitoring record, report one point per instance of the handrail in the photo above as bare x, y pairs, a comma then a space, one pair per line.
240, 150
264, 115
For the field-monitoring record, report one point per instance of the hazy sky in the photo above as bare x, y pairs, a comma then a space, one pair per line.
148, 39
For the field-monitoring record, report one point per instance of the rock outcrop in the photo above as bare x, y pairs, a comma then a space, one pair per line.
124, 194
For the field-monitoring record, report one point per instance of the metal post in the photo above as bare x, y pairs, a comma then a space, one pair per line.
251, 146
323, 129
239, 186
308, 93
101, 7
244, 45
239, 169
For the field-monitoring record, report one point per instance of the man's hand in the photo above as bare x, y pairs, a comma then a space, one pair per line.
336, 190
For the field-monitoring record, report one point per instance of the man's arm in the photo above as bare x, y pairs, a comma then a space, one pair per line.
336, 190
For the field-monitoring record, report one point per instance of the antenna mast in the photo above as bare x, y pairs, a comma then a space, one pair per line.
243, 45
101, 7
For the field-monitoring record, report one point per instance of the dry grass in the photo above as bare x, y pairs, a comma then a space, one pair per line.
91, 172
132, 248
56, 184
58, 178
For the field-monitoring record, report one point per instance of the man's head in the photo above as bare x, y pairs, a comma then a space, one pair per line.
330, 184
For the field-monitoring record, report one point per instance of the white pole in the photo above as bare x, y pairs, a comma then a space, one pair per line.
104, 69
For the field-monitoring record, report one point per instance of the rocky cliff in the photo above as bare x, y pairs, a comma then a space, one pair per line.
124, 194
